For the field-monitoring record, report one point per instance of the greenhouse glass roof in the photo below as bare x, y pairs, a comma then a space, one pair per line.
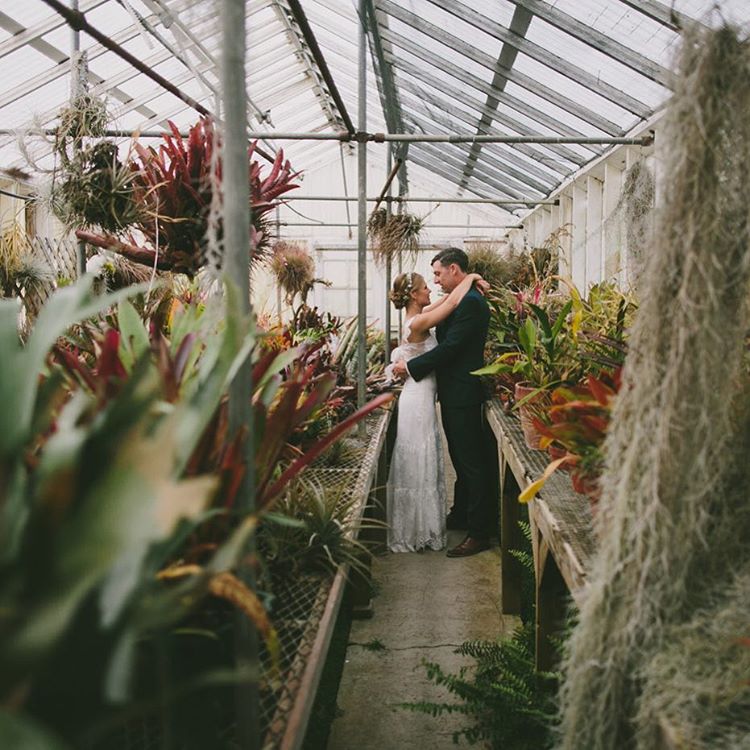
573, 69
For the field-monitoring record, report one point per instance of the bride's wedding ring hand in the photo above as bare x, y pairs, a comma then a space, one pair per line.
399, 370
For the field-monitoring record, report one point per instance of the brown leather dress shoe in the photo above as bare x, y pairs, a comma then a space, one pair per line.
469, 546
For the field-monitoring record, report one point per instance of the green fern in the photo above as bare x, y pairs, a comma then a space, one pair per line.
512, 706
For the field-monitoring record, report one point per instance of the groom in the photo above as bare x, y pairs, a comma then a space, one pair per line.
460, 350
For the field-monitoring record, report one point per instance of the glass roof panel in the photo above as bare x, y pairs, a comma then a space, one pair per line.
445, 57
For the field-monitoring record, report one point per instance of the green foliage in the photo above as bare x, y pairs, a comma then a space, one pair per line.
374, 645
312, 530
511, 704
173, 190
93, 506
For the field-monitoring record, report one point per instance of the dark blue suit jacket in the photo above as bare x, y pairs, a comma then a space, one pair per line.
460, 350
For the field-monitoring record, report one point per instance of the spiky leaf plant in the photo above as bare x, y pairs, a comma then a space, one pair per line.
313, 529
20, 267
511, 269
674, 513
92, 506
174, 189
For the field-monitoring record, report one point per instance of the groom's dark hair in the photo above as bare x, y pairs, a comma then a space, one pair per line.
453, 255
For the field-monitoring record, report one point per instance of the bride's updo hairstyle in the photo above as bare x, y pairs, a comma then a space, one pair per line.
403, 285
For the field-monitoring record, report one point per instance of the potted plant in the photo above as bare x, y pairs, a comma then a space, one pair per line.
542, 360
573, 430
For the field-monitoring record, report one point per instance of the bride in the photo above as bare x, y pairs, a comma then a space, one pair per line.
416, 492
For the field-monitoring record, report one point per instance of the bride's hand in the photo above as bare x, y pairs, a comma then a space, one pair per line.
482, 286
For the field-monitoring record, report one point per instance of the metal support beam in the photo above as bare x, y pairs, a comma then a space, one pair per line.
464, 79
389, 93
362, 214
452, 173
32, 37
647, 140
78, 75
519, 24
360, 137
499, 181
503, 160
426, 103
432, 226
662, 14
540, 54
236, 262
604, 43
78, 21
171, 19
386, 193
392, 172
407, 199
300, 19
483, 59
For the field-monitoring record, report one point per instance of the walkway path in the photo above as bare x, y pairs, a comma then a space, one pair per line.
427, 605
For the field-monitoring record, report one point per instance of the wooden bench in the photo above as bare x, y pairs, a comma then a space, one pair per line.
562, 536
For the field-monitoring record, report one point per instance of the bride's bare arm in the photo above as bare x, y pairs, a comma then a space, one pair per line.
435, 304
432, 315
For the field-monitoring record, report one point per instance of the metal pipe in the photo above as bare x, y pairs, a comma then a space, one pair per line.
299, 16
77, 21
388, 265
406, 199
386, 191
362, 135
346, 188
236, 262
429, 226
76, 89
647, 140
362, 214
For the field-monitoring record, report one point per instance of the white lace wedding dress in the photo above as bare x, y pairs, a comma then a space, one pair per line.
416, 482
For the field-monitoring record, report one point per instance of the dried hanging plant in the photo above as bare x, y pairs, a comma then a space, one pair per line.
675, 517
394, 236
20, 267
97, 191
636, 205
85, 117
294, 270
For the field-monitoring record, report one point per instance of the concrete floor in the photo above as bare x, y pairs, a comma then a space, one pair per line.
427, 605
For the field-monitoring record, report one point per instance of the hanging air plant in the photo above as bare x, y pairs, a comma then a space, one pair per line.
294, 270
394, 236
20, 268
96, 188
656, 659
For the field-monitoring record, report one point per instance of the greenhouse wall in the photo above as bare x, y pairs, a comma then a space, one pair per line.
588, 225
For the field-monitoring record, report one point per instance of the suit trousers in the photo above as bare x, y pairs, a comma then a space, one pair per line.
469, 449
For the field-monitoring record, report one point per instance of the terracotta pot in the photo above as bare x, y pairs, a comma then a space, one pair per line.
526, 413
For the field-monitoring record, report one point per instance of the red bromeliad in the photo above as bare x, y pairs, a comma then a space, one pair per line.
574, 430
173, 186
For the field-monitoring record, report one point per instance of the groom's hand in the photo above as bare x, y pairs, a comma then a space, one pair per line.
399, 370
